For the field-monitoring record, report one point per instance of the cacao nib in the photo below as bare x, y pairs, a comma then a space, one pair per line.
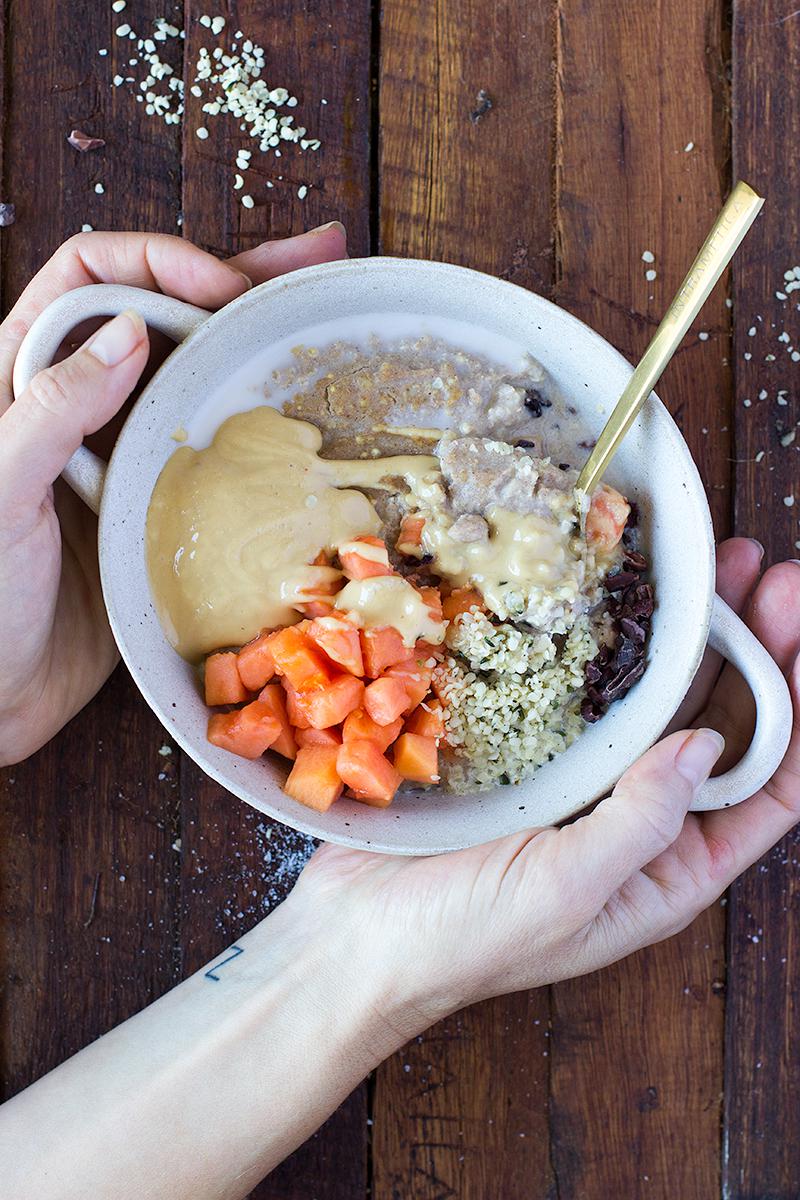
621, 581
618, 666
535, 402
634, 561
633, 630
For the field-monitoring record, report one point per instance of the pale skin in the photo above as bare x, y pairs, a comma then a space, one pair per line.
206, 1090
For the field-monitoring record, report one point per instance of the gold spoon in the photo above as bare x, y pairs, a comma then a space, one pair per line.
740, 210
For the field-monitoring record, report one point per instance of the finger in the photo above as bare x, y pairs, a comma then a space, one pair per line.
42, 430
328, 243
738, 566
645, 812
773, 615
147, 260
737, 837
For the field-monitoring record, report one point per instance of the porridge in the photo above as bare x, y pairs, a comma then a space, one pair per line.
387, 574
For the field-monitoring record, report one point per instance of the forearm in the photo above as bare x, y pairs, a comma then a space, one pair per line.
202, 1093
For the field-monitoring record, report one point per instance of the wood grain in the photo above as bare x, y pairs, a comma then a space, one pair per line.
637, 1049
237, 865
761, 1146
321, 54
89, 878
463, 1111
466, 116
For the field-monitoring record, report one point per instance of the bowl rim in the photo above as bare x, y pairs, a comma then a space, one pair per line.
291, 282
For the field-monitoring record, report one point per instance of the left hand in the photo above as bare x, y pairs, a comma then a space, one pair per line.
56, 647
548, 904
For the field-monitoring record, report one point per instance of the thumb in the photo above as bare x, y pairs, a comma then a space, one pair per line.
646, 811
43, 428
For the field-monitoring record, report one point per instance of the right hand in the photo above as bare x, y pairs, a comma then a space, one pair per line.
56, 648
552, 903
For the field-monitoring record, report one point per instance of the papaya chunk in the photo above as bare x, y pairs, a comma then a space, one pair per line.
296, 657
360, 726
314, 780
247, 731
416, 758
339, 639
318, 737
426, 719
460, 601
362, 766
382, 647
330, 704
385, 700
274, 697
255, 662
223, 683
364, 558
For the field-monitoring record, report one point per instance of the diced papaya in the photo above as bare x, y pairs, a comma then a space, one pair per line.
362, 766
365, 557
223, 683
323, 581
274, 697
318, 737
360, 726
460, 601
386, 699
247, 731
314, 779
416, 758
296, 657
294, 710
415, 678
433, 598
409, 539
382, 648
606, 519
255, 662
424, 650
315, 608
330, 704
339, 639
426, 720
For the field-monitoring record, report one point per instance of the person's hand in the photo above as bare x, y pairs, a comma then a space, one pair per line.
548, 904
56, 648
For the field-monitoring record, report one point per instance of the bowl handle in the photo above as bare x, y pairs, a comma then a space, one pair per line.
85, 472
730, 636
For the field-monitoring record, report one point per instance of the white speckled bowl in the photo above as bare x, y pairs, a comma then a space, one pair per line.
654, 467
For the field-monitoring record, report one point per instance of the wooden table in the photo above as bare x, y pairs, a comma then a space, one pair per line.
550, 142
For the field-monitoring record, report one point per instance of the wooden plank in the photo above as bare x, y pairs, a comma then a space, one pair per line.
761, 1145
236, 864
463, 1111
323, 58
642, 152
466, 114
89, 893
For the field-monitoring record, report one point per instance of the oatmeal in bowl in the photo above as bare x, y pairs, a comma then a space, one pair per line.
386, 575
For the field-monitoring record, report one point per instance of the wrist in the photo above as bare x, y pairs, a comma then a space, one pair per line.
360, 990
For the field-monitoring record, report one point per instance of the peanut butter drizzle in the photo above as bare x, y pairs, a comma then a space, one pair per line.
232, 529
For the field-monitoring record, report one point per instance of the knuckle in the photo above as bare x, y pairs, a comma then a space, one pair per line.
50, 391
72, 246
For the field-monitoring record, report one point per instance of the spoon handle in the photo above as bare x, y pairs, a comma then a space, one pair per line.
740, 210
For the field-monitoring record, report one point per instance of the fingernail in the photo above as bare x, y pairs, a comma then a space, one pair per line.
118, 338
247, 280
330, 225
757, 543
697, 755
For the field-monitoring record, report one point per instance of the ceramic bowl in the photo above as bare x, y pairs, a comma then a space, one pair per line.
654, 467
